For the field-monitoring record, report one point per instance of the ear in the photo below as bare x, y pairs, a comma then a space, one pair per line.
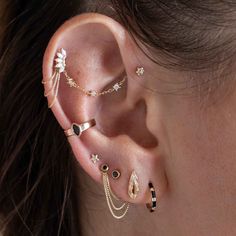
101, 53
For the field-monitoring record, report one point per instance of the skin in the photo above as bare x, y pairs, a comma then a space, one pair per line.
183, 140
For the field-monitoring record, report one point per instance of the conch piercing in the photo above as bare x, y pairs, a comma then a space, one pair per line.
78, 129
153, 204
110, 195
133, 188
55, 78
94, 158
60, 67
140, 71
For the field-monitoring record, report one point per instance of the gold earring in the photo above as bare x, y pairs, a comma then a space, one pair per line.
109, 195
116, 174
140, 71
133, 188
55, 78
152, 206
94, 158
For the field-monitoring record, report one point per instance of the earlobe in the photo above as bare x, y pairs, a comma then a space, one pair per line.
87, 69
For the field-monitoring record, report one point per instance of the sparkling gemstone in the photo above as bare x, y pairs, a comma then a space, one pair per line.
116, 87
76, 129
92, 93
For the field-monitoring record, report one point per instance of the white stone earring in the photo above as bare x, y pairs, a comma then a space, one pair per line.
55, 78
140, 71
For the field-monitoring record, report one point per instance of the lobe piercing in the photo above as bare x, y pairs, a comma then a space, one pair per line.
140, 71
110, 195
78, 129
115, 174
133, 188
153, 204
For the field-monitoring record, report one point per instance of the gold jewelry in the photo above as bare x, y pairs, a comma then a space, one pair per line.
115, 174
55, 78
153, 204
140, 71
93, 93
109, 195
94, 158
60, 67
133, 188
78, 129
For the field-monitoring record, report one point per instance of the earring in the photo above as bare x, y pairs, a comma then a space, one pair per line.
55, 79
78, 129
153, 204
115, 174
109, 195
133, 188
94, 158
140, 71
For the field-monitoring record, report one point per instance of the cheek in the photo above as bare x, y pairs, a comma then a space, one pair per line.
200, 162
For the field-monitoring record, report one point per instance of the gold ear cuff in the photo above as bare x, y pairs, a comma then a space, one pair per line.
78, 129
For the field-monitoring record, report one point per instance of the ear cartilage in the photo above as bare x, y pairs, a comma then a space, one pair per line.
55, 78
116, 174
78, 129
152, 206
133, 188
118, 212
140, 71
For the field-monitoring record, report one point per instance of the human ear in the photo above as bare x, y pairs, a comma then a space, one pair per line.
100, 54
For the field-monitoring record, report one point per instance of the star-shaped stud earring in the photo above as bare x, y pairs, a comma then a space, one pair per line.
140, 71
94, 158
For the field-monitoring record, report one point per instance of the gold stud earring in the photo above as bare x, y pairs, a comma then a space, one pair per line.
116, 174
110, 195
133, 188
94, 158
140, 71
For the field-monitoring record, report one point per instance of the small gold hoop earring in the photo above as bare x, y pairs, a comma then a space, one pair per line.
153, 205
78, 129
110, 195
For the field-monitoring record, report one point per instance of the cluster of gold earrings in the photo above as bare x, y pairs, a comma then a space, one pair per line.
60, 68
117, 212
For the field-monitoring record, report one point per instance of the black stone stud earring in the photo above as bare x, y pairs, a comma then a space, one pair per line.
115, 174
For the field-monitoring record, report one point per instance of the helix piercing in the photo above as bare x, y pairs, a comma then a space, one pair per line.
133, 188
55, 78
153, 204
60, 67
78, 129
110, 195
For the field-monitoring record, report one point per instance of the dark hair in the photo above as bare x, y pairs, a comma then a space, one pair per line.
37, 169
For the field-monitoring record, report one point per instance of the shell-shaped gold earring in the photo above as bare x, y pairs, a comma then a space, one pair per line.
133, 189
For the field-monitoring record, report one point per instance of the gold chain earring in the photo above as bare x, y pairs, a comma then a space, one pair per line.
60, 67
109, 195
